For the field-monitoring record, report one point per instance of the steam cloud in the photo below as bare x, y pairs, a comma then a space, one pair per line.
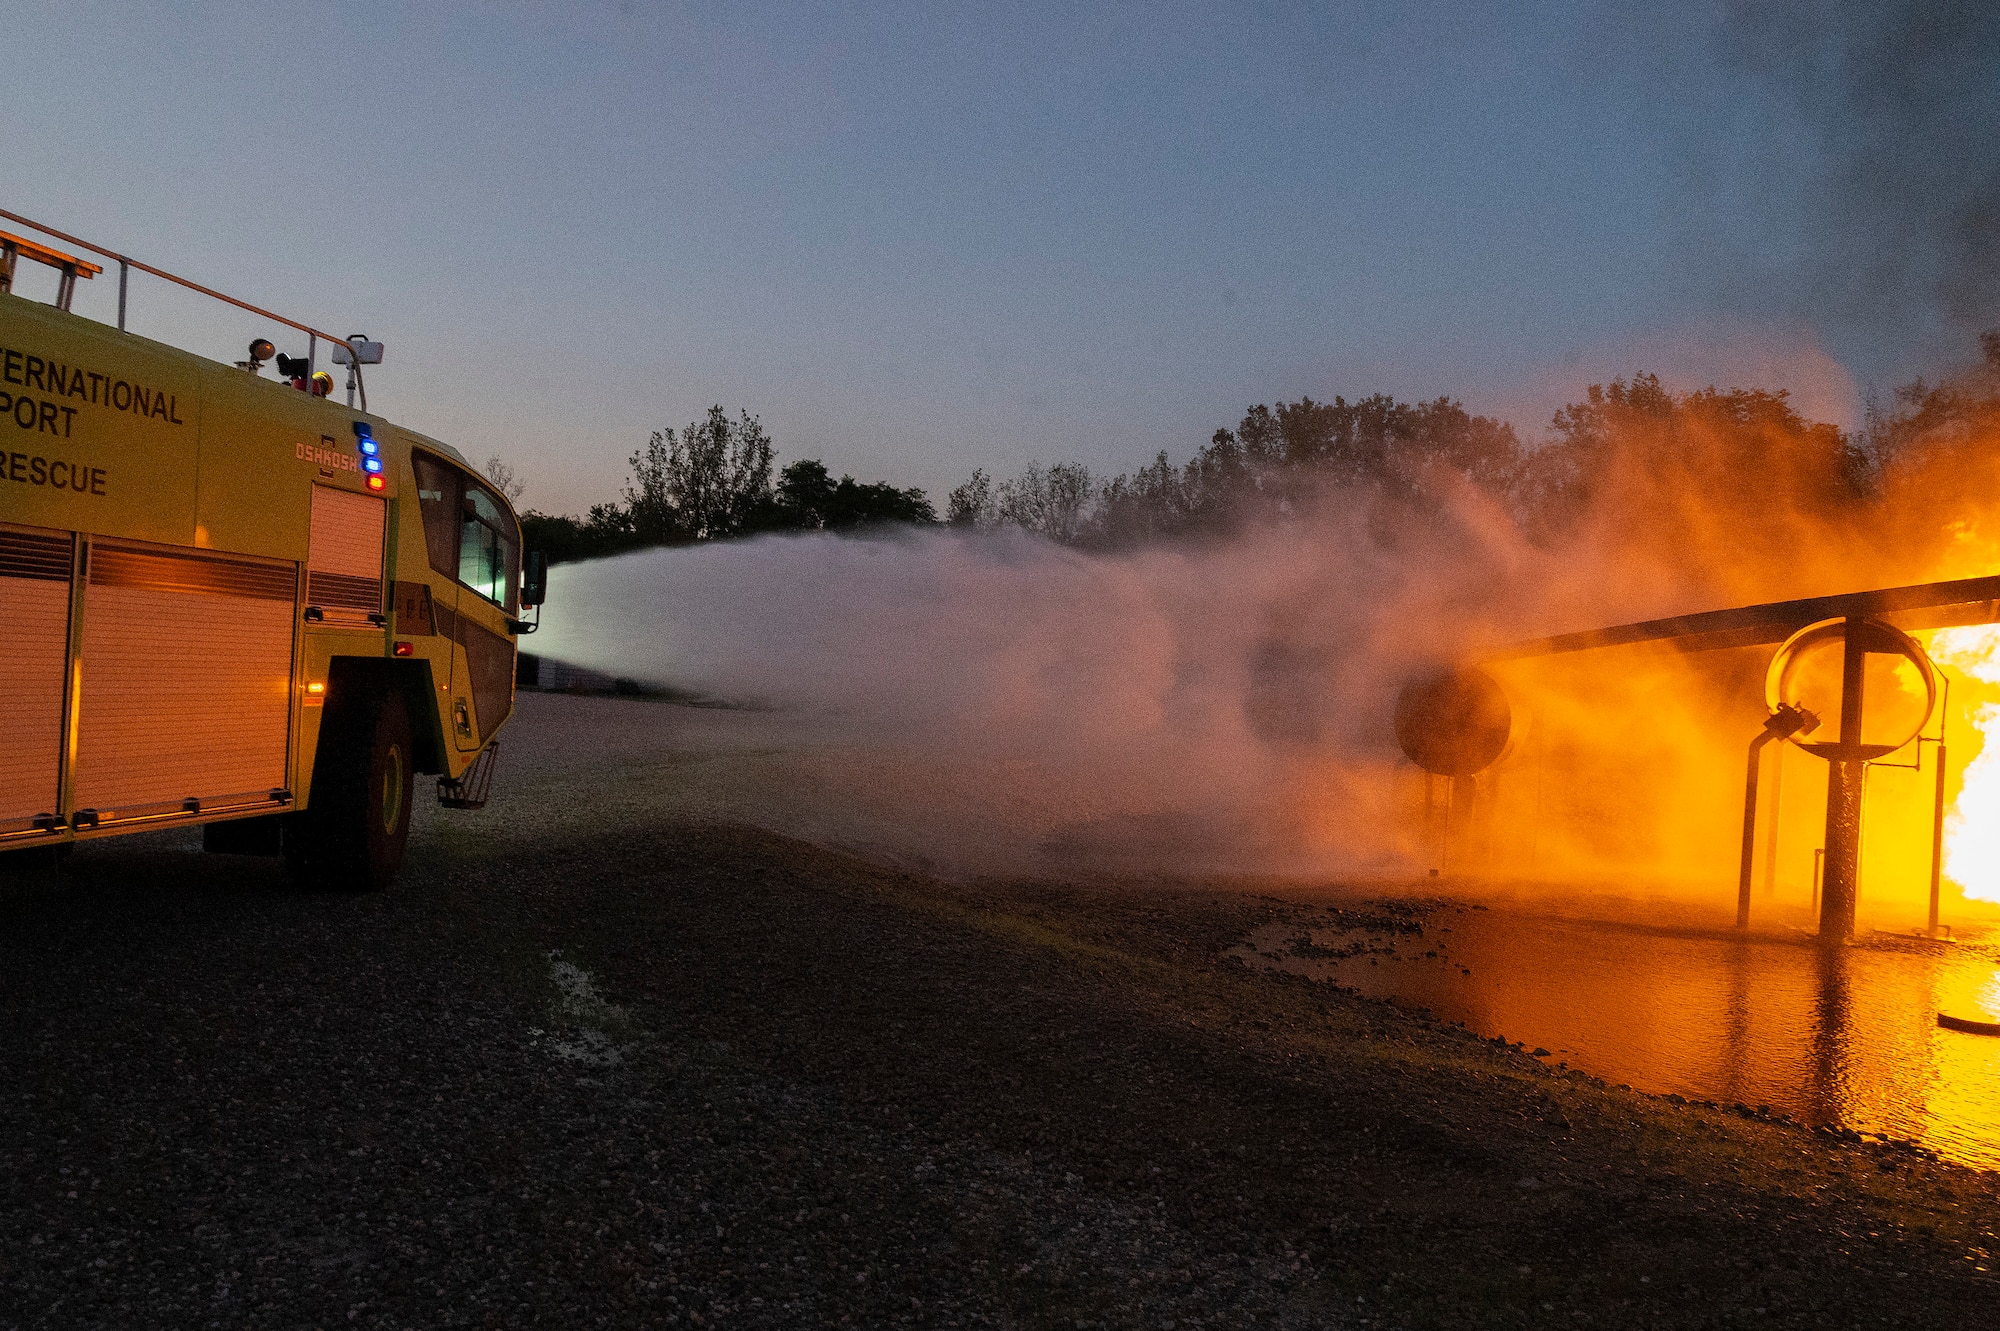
1238, 694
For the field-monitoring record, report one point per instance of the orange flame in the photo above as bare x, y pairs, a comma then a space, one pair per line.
1972, 827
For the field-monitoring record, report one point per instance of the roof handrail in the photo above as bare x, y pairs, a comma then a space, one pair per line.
126, 262
14, 248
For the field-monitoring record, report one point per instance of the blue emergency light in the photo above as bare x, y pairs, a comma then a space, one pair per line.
371, 454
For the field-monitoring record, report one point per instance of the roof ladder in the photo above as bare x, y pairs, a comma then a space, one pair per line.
14, 248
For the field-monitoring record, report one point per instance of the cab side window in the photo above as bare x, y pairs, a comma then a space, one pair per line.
470, 536
486, 547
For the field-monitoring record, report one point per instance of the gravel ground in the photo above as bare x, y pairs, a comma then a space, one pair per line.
602, 1062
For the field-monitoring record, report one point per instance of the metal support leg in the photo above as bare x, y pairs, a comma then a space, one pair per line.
1461, 810
1743, 873
1430, 823
1787, 721
1844, 784
1842, 875
1937, 839
1777, 821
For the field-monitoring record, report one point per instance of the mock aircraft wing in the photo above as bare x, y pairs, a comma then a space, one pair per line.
1929, 605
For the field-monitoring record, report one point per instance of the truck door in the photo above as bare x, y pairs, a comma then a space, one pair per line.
35, 569
474, 546
488, 575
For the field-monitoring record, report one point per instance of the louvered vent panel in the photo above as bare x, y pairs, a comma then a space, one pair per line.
337, 591
34, 555
165, 571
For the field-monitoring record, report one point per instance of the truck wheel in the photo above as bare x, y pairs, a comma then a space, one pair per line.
352, 833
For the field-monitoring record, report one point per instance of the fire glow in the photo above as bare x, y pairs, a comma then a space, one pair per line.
1972, 826
1619, 777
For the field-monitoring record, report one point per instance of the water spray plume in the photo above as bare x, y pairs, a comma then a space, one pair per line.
1236, 696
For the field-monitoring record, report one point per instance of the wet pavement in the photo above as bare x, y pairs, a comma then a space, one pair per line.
1845, 1038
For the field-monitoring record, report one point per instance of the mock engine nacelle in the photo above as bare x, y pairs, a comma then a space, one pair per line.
1454, 722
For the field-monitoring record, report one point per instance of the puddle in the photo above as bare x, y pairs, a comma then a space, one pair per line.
1847, 1039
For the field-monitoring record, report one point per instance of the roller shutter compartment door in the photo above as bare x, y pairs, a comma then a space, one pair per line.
186, 669
34, 644
344, 567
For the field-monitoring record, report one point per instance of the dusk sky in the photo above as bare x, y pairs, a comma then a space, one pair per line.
917, 240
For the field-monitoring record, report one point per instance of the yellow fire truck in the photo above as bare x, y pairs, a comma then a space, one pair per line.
226, 601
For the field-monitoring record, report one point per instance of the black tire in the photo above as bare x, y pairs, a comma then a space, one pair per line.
351, 835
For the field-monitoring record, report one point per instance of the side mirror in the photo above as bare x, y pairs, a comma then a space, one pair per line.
535, 579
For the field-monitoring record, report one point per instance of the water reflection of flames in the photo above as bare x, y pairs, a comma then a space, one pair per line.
1972, 827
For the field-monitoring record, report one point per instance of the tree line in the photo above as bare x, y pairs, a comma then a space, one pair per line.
714, 480
1742, 451
1740, 463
